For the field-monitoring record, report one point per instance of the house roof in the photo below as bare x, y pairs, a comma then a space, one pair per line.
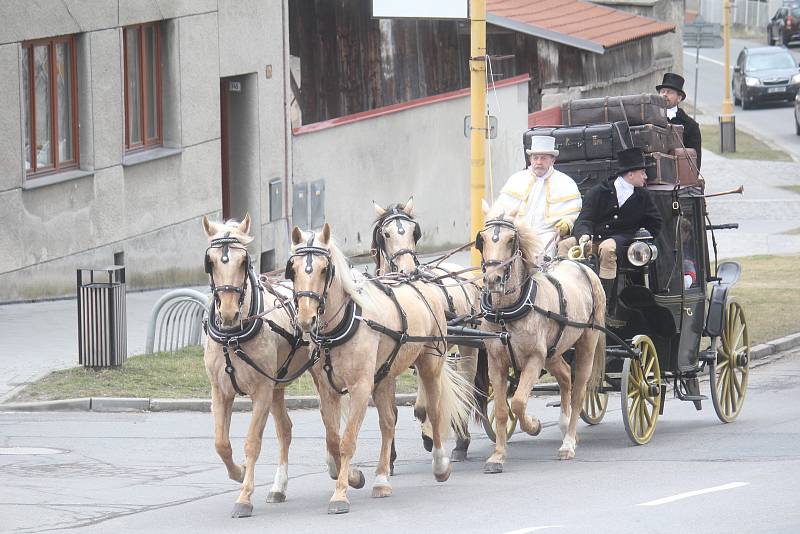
573, 22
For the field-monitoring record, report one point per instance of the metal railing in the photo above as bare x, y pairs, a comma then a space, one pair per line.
176, 321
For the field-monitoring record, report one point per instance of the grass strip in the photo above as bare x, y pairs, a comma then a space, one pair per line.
747, 146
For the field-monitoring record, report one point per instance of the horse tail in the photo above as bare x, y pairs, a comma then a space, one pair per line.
481, 385
599, 362
456, 403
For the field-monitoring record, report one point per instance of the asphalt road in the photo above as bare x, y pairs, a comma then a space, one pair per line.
149, 472
773, 122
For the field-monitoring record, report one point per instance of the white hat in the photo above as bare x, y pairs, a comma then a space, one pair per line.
542, 144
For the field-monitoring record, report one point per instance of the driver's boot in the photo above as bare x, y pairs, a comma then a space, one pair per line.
611, 302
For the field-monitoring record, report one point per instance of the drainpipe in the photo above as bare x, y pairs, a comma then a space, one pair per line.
288, 177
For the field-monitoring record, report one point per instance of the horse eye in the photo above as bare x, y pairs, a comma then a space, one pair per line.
386, 234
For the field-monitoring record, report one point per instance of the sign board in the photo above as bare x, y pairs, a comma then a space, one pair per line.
701, 34
420, 9
491, 132
235, 87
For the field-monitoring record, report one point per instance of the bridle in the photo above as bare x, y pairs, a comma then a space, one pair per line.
496, 225
227, 242
309, 251
398, 216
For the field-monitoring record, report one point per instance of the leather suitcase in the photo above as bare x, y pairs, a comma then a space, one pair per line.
675, 136
662, 169
639, 109
686, 160
576, 143
587, 174
651, 138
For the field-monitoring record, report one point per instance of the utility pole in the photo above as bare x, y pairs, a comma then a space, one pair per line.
727, 122
477, 84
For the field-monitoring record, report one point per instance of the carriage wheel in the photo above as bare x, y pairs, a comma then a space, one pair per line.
730, 372
641, 392
595, 404
488, 418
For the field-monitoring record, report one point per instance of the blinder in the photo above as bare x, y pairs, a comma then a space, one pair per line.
479, 242
309, 251
398, 215
225, 243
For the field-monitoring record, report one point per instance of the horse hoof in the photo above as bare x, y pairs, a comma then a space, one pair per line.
444, 476
427, 442
536, 430
276, 497
458, 455
379, 492
360, 482
492, 468
242, 509
338, 507
566, 454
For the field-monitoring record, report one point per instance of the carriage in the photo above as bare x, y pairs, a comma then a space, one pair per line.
671, 319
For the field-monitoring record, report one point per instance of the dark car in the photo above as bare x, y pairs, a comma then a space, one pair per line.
785, 24
797, 114
764, 74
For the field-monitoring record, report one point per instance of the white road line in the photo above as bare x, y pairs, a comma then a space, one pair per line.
665, 500
705, 58
531, 529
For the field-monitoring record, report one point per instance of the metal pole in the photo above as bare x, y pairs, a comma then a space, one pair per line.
727, 124
477, 78
697, 65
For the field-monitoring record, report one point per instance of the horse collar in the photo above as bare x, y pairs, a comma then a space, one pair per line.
518, 310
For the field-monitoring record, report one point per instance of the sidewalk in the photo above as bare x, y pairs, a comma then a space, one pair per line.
42, 337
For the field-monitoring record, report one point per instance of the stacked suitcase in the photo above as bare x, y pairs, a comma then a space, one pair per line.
596, 129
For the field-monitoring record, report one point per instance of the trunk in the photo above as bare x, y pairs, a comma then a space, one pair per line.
688, 174
633, 109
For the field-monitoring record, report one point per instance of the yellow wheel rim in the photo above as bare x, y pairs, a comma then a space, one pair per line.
594, 405
641, 392
732, 369
488, 421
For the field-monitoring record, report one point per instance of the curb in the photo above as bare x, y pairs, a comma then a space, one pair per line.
241, 404
129, 404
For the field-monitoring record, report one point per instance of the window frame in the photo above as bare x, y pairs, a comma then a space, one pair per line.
145, 143
29, 101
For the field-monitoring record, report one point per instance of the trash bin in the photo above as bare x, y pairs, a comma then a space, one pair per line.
102, 321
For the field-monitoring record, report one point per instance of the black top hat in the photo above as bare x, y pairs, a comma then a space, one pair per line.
672, 81
630, 159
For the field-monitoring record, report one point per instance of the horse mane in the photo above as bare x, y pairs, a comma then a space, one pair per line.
232, 226
530, 244
376, 228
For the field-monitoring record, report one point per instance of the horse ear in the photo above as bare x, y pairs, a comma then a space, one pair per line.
325, 236
244, 226
208, 226
409, 206
485, 206
513, 212
379, 211
297, 236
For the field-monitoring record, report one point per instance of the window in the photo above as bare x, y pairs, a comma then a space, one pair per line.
142, 53
51, 105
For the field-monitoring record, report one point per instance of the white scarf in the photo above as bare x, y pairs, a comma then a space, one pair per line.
624, 190
672, 112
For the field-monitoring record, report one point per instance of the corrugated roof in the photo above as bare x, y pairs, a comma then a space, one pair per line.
573, 22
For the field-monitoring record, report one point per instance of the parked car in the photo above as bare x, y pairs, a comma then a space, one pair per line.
785, 24
797, 114
764, 74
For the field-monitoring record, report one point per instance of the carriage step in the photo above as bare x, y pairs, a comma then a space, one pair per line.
692, 397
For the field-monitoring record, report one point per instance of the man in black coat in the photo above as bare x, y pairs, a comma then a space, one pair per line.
613, 211
671, 88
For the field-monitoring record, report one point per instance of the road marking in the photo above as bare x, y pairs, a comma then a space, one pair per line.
679, 496
706, 58
531, 529
29, 451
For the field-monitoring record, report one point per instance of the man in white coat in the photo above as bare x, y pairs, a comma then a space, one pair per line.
547, 199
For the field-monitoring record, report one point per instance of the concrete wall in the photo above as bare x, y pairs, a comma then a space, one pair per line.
147, 207
419, 151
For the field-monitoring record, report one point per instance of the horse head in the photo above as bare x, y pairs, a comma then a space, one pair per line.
311, 270
395, 236
227, 262
498, 242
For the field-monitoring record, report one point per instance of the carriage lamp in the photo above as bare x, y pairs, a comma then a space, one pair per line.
642, 251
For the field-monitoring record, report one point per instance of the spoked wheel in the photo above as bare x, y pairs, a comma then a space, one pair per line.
730, 372
488, 419
595, 404
641, 392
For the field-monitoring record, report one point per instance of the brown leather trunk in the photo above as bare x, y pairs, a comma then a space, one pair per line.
661, 169
686, 161
638, 109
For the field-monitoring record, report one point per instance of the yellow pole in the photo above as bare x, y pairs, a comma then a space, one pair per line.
727, 105
477, 79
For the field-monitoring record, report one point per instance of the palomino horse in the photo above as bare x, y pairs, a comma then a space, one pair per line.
517, 295
241, 350
365, 335
394, 247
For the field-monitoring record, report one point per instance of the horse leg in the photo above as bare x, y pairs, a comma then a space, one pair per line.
584, 354
498, 377
330, 410
221, 407
262, 399
561, 372
528, 378
359, 395
467, 367
429, 371
384, 397
421, 414
283, 428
